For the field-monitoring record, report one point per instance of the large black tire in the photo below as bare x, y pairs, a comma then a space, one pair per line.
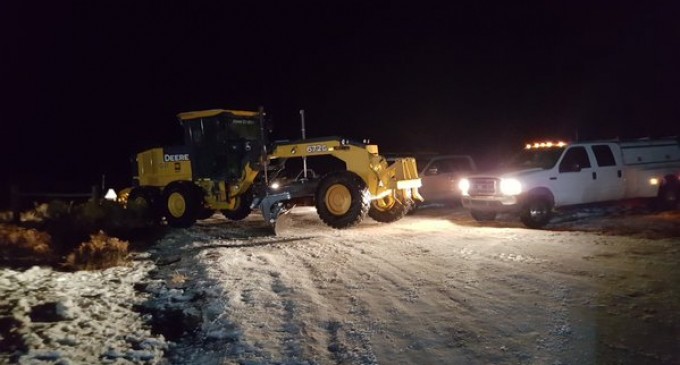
388, 210
181, 205
536, 211
483, 215
145, 200
413, 209
669, 196
242, 209
342, 199
205, 213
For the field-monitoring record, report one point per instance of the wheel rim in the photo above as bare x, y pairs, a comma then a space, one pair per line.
338, 199
176, 205
140, 202
385, 203
538, 211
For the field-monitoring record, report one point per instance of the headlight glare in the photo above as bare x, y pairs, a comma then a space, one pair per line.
511, 187
464, 186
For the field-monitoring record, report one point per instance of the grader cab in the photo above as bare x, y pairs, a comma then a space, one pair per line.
227, 165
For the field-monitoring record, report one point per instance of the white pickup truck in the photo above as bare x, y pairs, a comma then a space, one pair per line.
545, 176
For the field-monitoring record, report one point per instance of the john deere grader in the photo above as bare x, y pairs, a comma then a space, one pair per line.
226, 164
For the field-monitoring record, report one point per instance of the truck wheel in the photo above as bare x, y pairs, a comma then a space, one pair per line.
181, 205
144, 200
483, 216
388, 210
669, 196
537, 212
242, 208
342, 199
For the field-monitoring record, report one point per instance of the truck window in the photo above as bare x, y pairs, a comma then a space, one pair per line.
436, 168
575, 159
458, 165
604, 155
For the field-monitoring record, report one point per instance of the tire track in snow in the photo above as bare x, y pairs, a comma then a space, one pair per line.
345, 340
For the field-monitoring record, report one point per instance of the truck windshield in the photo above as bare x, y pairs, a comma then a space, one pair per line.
541, 158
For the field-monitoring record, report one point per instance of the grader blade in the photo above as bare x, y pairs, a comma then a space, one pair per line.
273, 207
283, 223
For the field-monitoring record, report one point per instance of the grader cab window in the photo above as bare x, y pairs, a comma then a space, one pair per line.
248, 129
221, 144
195, 134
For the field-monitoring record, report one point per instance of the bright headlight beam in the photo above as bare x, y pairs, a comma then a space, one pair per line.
464, 186
511, 187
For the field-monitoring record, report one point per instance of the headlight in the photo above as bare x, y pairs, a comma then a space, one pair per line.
111, 195
275, 185
511, 187
464, 186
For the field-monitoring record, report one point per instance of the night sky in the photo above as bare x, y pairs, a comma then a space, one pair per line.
87, 84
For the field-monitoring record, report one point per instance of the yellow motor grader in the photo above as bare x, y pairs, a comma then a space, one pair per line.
227, 165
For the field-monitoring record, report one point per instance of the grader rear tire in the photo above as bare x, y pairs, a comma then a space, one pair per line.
145, 201
669, 196
342, 199
181, 205
388, 210
205, 213
242, 209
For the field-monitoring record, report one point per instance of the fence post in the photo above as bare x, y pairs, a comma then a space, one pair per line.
15, 203
96, 193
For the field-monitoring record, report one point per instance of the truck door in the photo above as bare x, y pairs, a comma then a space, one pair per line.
434, 180
574, 183
608, 184
440, 178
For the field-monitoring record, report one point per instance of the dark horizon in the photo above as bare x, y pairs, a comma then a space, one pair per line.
88, 84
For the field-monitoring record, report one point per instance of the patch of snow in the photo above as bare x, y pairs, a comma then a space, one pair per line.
79, 317
435, 287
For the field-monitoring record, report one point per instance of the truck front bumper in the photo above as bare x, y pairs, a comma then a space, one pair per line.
491, 203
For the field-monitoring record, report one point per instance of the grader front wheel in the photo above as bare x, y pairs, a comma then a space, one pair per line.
342, 199
388, 209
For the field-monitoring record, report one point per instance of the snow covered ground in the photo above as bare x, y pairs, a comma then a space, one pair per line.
596, 287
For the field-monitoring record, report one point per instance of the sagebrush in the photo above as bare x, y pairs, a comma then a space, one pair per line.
100, 252
21, 242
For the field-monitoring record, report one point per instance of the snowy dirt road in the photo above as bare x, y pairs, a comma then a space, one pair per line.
433, 288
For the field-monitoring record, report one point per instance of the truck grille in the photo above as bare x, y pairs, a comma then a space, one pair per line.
483, 186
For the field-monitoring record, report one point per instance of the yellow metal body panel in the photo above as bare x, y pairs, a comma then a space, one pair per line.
154, 169
220, 197
401, 178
